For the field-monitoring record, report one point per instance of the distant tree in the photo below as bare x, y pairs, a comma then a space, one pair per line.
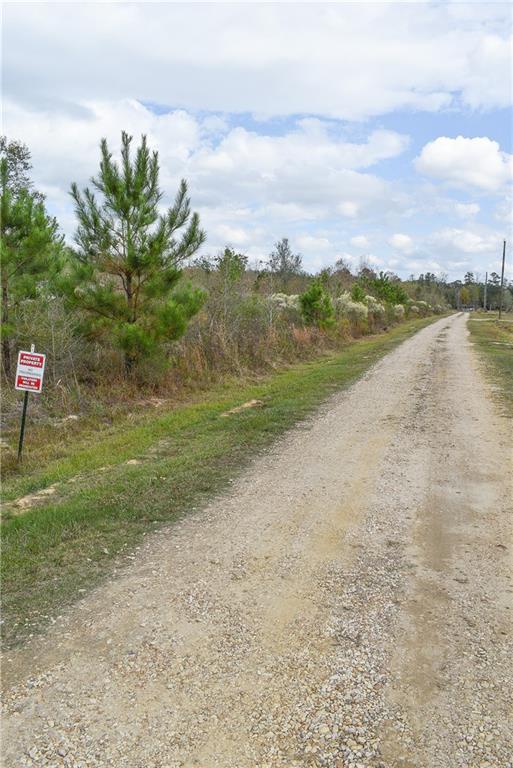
465, 296
30, 244
284, 264
126, 267
469, 278
316, 306
342, 278
230, 266
17, 164
366, 273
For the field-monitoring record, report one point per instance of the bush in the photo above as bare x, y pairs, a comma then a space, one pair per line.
423, 308
316, 306
399, 312
353, 310
285, 301
375, 308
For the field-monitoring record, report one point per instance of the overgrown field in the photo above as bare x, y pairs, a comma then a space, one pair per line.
494, 340
110, 491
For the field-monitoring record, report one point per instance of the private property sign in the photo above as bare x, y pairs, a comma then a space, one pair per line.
30, 370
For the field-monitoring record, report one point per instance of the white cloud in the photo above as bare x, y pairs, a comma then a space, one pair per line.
232, 235
360, 241
304, 174
476, 162
492, 53
466, 241
400, 242
65, 146
348, 209
466, 210
267, 59
309, 146
311, 243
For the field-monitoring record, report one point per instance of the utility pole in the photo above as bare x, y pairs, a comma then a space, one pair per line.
485, 290
502, 277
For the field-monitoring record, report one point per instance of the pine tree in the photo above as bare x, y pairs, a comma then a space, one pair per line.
126, 268
316, 306
30, 244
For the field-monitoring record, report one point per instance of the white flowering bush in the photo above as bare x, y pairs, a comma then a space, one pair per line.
284, 301
438, 309
375, 308
413, 310
399, 312
352, 310
423, 307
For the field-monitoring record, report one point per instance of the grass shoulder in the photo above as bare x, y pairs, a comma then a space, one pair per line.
493, 340
109, 490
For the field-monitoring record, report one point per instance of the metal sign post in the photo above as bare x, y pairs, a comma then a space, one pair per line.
502, 278
22, 428
29, 378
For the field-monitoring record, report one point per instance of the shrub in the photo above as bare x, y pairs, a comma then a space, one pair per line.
353, 310
285, 301
316, 306
423, 308
376, 309
399, 312
413, 310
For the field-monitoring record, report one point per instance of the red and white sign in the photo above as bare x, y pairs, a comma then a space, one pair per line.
30, 370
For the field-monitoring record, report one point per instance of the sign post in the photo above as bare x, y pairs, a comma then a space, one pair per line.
502, 278
22, 428
29, 378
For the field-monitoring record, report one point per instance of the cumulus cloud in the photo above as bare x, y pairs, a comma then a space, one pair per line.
305, 173
400, 242
477, 162
466, 241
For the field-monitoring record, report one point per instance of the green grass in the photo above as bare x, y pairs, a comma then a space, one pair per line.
56, 550
494, 341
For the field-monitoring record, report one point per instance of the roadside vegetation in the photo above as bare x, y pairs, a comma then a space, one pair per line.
494, 341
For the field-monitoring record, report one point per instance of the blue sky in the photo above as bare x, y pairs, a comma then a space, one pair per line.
372, 132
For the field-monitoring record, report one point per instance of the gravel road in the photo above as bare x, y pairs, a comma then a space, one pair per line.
348, 603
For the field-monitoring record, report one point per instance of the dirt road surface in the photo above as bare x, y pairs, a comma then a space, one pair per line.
347, 604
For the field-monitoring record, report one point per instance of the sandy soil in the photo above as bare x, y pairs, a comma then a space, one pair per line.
347, 604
